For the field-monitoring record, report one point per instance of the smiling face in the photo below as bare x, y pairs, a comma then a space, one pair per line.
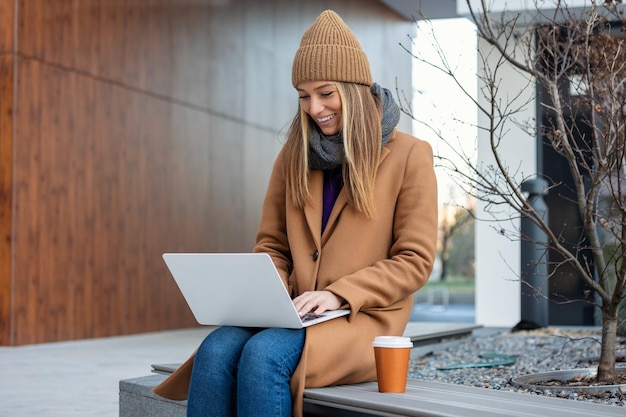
321, 101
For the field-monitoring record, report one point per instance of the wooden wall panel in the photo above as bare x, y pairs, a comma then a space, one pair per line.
7, 23
106, 189
7, 59
141, 127
6, 191
165, 47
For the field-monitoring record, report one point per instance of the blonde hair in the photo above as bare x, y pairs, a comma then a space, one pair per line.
362, 142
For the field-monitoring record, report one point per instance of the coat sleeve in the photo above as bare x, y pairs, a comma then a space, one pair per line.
271, 235
407, 266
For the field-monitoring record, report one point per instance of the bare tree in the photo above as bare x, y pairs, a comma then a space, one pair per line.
576, 56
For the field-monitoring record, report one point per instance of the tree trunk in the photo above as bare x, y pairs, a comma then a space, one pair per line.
444, 269
606, 366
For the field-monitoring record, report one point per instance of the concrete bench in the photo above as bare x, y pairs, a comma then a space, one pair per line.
422, 398
138, 400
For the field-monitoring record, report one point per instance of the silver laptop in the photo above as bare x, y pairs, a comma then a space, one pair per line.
237, 289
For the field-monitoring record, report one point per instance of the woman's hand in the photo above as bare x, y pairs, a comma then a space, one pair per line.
316, 302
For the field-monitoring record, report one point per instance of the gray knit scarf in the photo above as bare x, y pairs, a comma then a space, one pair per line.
326, 152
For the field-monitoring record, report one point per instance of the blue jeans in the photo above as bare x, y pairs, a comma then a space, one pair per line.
244, 372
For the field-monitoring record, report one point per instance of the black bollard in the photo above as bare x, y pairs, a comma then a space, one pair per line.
534, 257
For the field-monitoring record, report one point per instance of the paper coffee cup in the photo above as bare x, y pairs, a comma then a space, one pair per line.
392, 354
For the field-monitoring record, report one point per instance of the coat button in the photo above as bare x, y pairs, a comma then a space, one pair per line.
316, 255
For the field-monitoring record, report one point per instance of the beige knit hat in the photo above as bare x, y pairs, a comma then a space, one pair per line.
329, 51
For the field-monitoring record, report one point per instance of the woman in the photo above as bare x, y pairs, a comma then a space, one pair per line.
350, 221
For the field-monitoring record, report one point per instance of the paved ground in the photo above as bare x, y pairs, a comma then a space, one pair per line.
457, 313
81, 379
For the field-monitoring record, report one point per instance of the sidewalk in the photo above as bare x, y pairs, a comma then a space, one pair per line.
81, 378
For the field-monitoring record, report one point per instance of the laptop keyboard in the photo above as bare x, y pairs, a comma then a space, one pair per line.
308, 317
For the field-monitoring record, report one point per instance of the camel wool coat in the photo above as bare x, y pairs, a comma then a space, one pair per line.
375, 264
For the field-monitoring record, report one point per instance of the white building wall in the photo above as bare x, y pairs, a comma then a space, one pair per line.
497, 254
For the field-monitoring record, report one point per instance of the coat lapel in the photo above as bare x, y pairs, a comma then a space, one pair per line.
313, 210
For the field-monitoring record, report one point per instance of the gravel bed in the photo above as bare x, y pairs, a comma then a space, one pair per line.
537, 351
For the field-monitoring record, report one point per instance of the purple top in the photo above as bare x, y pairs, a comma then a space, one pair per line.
333, 182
